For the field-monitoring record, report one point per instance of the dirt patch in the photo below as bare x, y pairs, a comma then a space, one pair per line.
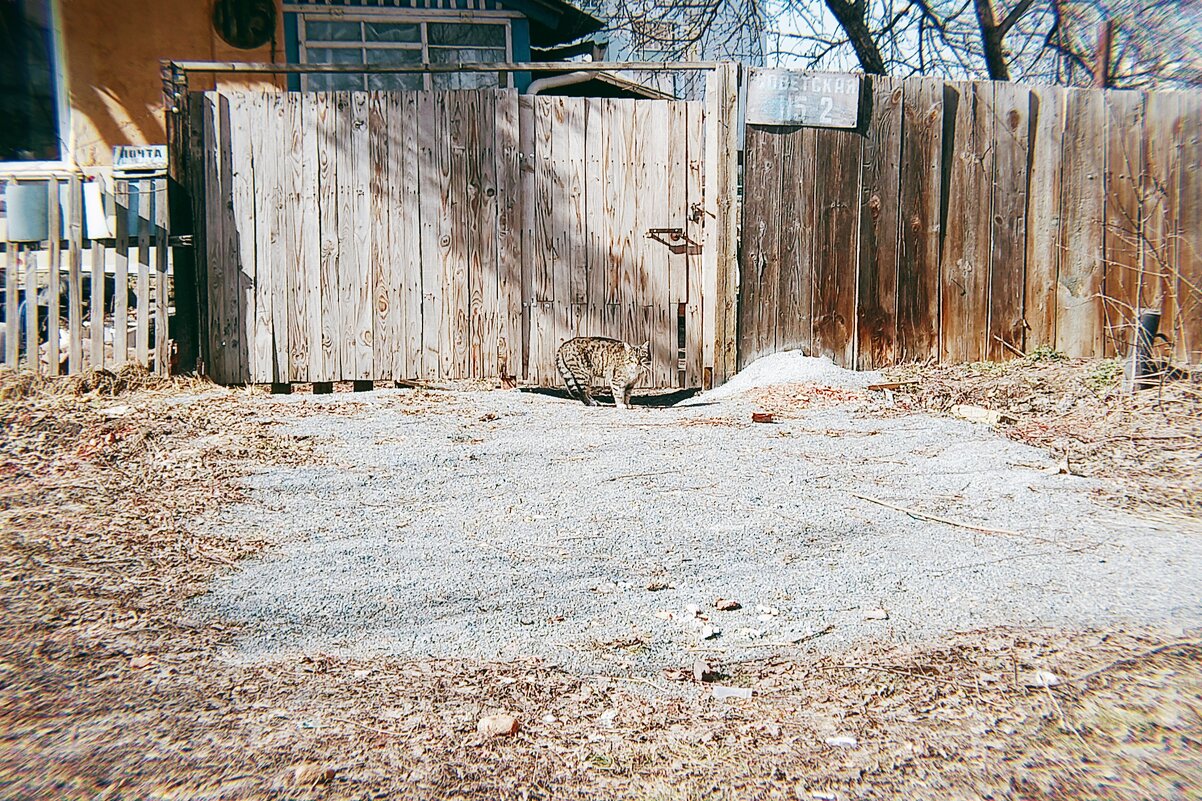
108, 688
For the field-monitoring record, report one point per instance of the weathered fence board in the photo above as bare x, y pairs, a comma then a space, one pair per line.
1079, 281
1010, 124
1189, 250
1043, 206
1161, 174
921, 195
880, 182
964, 269
104, 308
992, 219
1124, 163
418, 236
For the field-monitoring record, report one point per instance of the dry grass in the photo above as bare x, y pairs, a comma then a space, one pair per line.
1148, 445
109, 690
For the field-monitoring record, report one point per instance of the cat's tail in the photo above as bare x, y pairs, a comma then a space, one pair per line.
569, 378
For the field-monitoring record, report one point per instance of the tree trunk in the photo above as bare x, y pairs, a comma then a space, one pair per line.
992, 36
851, 18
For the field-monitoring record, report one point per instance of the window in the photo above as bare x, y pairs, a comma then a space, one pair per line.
28, 101
329, 39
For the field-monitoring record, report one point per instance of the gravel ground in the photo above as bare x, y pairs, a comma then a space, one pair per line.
498, 525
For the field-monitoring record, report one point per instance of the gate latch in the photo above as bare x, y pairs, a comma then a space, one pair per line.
676, 240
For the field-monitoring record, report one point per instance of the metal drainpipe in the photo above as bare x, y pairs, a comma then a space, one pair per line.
556, 81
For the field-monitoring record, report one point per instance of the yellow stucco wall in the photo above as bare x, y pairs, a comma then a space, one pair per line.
113, 49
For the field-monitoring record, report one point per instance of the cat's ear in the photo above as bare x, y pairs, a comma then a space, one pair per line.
647, 346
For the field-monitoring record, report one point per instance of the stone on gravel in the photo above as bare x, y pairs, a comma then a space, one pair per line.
499, 725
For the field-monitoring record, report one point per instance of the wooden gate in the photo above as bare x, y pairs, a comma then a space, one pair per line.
444, 235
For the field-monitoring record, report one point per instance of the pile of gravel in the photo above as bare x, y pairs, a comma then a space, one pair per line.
790, 367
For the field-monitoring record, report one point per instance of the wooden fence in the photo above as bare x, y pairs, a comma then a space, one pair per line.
970, 221
448, 235
78, 296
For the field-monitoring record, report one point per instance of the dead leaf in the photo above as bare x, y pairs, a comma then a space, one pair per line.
762, 417
1041, 678
499, 725
310, 774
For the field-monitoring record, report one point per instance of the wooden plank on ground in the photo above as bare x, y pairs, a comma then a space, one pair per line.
509, 236
837, 189
121, 275
1189, 248
326, 355
964, 269
298, 217
761, 220
54, 273
921, 191
1162, 170
1124, 162
75, 276
383, 197
1043, 214
1009, 124
1083, 207
142, 335
880, 179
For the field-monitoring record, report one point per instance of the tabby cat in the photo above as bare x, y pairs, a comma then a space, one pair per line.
583, 360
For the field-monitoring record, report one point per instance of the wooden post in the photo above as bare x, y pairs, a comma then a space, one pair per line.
74, 276
718, 267
52, 286
162, 356
12, 332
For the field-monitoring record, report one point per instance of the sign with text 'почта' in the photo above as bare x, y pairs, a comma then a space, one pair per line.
792, 97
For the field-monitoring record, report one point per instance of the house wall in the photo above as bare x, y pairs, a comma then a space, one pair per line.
112, 52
